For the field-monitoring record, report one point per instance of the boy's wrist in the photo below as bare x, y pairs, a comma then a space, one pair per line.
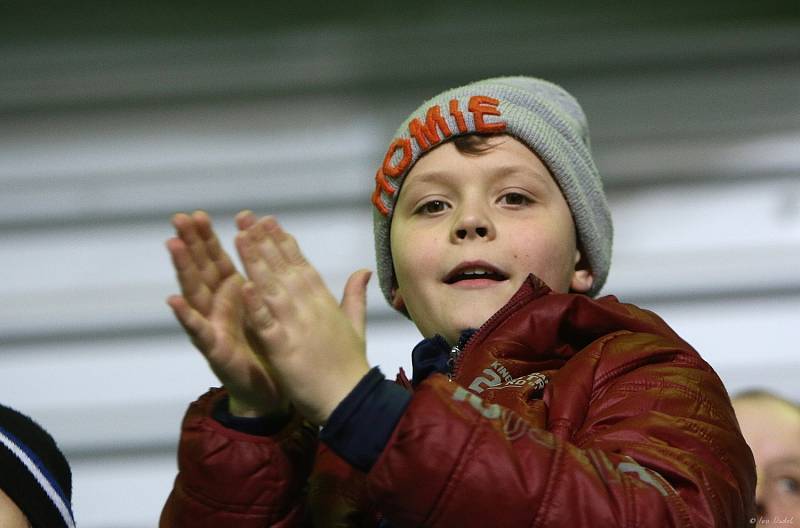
241, 409
259, 425
339, 392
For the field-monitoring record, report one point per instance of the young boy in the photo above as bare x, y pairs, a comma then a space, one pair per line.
531, 403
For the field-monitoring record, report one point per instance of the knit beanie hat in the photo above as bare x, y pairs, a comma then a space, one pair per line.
540, 114
33, 471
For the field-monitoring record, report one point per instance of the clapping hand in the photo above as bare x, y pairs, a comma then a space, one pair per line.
210, 309
314, 345
278, 337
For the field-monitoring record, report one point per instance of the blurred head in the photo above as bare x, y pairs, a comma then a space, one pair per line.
474, 218
771, 427
35, 478
539, 132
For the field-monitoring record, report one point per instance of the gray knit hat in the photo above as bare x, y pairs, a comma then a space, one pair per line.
540, 114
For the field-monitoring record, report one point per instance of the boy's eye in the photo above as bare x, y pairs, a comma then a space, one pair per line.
432, 207
515, 199
788, 485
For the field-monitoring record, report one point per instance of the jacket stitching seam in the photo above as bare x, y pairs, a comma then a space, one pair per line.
676, 351
695, 395
549, 489
200, 497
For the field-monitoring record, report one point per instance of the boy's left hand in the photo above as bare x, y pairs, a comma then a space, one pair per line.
315, 346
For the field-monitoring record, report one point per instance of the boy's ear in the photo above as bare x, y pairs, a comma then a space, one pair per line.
397, 300
582, 277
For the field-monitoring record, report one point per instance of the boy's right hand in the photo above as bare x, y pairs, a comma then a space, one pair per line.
210, 309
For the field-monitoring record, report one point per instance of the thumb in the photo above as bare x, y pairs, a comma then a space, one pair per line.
354, 299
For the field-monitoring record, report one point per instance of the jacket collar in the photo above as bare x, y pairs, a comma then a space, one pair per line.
536, 331
435, 355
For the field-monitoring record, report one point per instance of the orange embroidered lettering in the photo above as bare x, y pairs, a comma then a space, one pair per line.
381, 185
481, 105
459, 117
427, 135
380, 180
377, 202
396, 170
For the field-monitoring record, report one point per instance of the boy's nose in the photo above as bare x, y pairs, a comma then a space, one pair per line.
473, 227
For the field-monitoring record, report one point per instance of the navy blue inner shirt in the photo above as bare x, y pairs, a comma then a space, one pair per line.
362, 423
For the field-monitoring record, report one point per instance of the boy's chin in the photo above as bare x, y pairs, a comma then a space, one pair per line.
466, 322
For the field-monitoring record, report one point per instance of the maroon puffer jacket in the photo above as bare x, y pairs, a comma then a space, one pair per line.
562, 411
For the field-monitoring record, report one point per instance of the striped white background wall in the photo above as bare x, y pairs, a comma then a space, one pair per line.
697, 132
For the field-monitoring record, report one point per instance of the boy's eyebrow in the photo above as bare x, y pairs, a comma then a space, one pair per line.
524, 169
428, 177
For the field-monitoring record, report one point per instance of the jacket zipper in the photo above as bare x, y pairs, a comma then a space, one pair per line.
457, 354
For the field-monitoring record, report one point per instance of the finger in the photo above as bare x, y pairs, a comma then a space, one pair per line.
306, 275
219, 258
255, 266
354, 300
260, 317
287, 244
187, 231
245, 219
258, 312
192, 285
227, 310
197, 326
263, 235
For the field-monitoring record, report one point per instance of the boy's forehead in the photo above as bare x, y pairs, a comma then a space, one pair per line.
501, 156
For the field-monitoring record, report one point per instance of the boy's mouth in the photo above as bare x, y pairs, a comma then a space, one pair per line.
471, 271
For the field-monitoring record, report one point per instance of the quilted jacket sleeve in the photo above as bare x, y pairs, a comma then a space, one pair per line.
229, 478
646, 437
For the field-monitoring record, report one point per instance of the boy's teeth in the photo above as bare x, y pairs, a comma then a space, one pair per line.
476, 273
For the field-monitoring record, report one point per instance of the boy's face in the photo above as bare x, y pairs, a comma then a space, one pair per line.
772, 430
468, 229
